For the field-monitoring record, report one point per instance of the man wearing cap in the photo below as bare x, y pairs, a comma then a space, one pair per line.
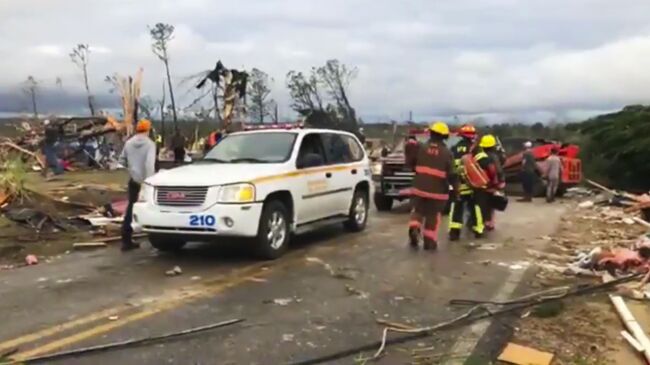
139, 157
528, 172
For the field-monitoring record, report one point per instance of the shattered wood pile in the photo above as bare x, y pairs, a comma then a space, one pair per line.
605, 237
46, 218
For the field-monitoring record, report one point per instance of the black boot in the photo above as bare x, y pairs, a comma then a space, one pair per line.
430, 246
414, 238
454, 234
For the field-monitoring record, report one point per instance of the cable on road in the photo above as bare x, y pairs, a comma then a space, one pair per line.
127, 343
480, 311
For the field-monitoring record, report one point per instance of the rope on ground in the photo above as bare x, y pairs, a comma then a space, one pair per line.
122, 344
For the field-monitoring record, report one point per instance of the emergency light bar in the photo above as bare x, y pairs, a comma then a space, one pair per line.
257, 127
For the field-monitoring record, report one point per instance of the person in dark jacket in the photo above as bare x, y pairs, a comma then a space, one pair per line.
529, 171
434, 172
49, 149
178, 146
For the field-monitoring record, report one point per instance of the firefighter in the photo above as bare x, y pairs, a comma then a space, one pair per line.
434, 171
486, 158
465, 197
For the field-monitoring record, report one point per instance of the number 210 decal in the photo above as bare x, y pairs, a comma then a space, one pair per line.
202, 220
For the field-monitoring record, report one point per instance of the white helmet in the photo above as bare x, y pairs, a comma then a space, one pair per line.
46, 122
528, 144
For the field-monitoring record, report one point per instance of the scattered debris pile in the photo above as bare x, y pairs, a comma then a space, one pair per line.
78, 142
605, 237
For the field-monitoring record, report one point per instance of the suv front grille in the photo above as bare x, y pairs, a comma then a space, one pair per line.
181, 196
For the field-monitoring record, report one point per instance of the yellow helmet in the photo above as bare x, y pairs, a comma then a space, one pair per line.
488, 141
440, 127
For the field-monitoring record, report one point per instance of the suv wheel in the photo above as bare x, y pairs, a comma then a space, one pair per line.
358, 215
166, 243
273, 232
383, 203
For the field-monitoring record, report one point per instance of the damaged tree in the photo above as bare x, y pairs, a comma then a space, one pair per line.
307, 99
162, 34
31, 86
259, 91
232, 84
337, 77
80, 56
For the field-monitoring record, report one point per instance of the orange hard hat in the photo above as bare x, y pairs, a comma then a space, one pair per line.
467, 130
143, 126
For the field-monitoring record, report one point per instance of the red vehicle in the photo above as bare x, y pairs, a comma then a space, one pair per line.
571, 163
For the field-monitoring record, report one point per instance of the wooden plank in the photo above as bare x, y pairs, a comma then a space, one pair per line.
641, 222
632, 341
629, 321
522, 355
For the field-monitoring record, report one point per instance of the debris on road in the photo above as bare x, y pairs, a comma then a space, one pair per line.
284, 301
174, 271
347, 273
356, 292
88, 245
287, 337
522, 355
31, 260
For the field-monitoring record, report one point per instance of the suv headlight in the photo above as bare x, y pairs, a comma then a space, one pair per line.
237, 193
146, 192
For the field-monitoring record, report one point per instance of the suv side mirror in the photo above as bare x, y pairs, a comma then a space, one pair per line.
310, 160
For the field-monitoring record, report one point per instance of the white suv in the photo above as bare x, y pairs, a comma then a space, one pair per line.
263, 184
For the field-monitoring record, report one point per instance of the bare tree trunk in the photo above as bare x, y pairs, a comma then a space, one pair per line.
90, 97
33, 92
162, 112
275, 114
171, 92
261, 111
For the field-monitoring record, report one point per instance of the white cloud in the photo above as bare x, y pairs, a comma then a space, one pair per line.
496, 57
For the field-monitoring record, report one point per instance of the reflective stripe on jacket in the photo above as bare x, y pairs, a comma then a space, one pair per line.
434, 169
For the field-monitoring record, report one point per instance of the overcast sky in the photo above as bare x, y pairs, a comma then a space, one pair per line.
531, 59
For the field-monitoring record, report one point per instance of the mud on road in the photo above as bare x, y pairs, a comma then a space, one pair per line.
323, 297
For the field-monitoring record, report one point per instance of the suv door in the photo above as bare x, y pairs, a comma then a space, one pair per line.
314, 181
344, 154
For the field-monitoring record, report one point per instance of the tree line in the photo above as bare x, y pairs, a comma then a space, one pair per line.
319, 96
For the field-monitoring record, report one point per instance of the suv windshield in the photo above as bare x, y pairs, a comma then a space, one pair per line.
253, 148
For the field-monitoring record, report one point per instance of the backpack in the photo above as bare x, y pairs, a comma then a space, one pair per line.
474, 174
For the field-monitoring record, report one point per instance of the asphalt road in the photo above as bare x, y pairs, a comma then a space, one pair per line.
323, 297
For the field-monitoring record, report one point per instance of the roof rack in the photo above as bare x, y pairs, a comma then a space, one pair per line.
257, 127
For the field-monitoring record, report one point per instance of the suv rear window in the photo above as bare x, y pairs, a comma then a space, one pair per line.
341, 148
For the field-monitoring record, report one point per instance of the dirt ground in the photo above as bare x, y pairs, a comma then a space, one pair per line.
587, 329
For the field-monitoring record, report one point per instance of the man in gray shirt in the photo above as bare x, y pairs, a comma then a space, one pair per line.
553, 175
528, 172
139, 157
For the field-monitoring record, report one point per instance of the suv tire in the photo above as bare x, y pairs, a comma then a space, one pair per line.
166, 243
272, 239
383, 203
358, 215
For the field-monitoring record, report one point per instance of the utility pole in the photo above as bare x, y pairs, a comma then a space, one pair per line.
410, 116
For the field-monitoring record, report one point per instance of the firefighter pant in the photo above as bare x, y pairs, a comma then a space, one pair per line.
466, 202
428, 211
483, 200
